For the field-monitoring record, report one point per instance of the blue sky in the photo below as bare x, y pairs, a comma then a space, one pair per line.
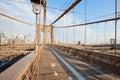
95, 8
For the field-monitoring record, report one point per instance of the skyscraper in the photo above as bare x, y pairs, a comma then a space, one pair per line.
3, 38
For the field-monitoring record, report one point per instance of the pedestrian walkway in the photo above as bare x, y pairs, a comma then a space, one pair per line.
50, 68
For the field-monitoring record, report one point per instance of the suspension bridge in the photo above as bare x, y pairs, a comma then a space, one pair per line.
43, 46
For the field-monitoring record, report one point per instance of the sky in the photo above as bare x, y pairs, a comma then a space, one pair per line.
95, 10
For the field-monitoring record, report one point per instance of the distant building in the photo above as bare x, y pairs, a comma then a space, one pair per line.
3, 35
112, 41
19, 40
2, 41
25, 37
16, 40
79, 43
14, 36
3, 38
9, 41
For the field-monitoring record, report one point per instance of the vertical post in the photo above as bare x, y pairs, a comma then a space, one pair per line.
52, 34
36, 7
37, 32
37, 39
44, 27
115, 27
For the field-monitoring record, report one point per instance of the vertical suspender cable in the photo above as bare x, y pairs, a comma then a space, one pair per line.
73, 30
105, 33
63, 31
83, 34
40, 23
85, 22
66, 30
97, 34
64, 35
80, 33
115, 27
91, 34
60, 36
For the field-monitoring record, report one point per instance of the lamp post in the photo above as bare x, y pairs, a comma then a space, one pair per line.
36, 9
44, 23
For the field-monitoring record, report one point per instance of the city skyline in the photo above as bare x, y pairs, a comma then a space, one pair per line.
15, 39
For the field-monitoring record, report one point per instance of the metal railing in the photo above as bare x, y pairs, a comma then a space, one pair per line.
108, 61
25, 69
31, 71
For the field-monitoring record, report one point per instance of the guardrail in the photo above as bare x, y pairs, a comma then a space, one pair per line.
30, 71
25, 69
108, 61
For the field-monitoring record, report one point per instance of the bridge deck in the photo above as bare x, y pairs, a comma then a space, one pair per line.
56, 65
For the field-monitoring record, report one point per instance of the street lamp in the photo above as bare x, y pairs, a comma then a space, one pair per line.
36, 5
36, 8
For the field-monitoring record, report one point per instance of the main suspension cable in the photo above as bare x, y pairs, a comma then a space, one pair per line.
73, 29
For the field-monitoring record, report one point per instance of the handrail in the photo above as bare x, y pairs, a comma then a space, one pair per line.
106, 60
20, 68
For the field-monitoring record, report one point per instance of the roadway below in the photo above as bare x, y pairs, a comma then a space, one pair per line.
7, 63
57, 65
80, 70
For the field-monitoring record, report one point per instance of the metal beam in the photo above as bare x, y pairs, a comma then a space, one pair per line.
106, 20
44, 25
66, 11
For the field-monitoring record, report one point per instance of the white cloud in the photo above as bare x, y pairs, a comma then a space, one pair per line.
4, 7
17, 9
24, 12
